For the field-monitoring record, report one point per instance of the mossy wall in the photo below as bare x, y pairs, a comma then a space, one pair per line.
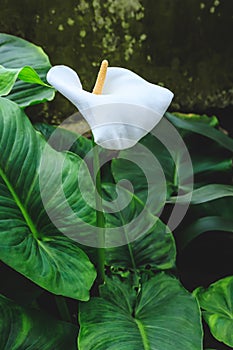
185, 45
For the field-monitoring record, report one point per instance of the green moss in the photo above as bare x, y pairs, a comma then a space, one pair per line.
179, 47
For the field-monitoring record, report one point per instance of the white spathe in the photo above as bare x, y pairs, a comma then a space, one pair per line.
128, 108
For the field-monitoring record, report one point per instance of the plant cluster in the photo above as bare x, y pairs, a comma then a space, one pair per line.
58, 292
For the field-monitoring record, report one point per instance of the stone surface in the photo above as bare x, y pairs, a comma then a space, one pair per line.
184, 45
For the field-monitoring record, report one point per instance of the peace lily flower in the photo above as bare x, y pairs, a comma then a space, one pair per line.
122, 108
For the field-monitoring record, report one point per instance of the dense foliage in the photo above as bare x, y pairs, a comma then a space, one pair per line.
51, 298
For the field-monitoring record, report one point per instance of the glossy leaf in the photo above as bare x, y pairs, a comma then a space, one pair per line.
155, 248
205, 194
213, 159
163, 315
29, 241
217, 304
149, 162
30, 329
9, 77
202, 225
209, 163
205, 217
203, 129
205, 119
28, 62
80, 145
209, 148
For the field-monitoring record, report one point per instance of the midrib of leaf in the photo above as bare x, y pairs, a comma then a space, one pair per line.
129, 245
145, 340
222, 312
25, 326
49, 253
20, 205
176, 175
202, 129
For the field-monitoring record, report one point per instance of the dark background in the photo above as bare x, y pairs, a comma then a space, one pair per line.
185, 45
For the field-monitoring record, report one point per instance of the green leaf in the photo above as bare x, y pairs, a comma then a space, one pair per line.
205, 194
80, 145
203, 129
202, 225
212, 121
213, 208
213, 159
155, 248
211, 216
209, 163
29, 241
139, 173
217, 305
9, 77
29, 75
155, 318
210, 157
30, 329
29, 63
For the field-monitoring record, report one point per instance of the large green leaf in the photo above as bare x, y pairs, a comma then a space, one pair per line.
207, 216
202, 128
139, 171
205, 194
204, 119
65, 139
217, 305
209, 148
10, 75
203, 225
197, 133
154, 248
123, 169
162, 316
29, 241
30, 329
205, 164
21, 56
207, 156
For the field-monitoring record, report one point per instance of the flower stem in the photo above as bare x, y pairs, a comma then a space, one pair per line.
98, 198
100, 222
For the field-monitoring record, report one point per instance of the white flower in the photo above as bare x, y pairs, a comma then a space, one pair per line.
126, 110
